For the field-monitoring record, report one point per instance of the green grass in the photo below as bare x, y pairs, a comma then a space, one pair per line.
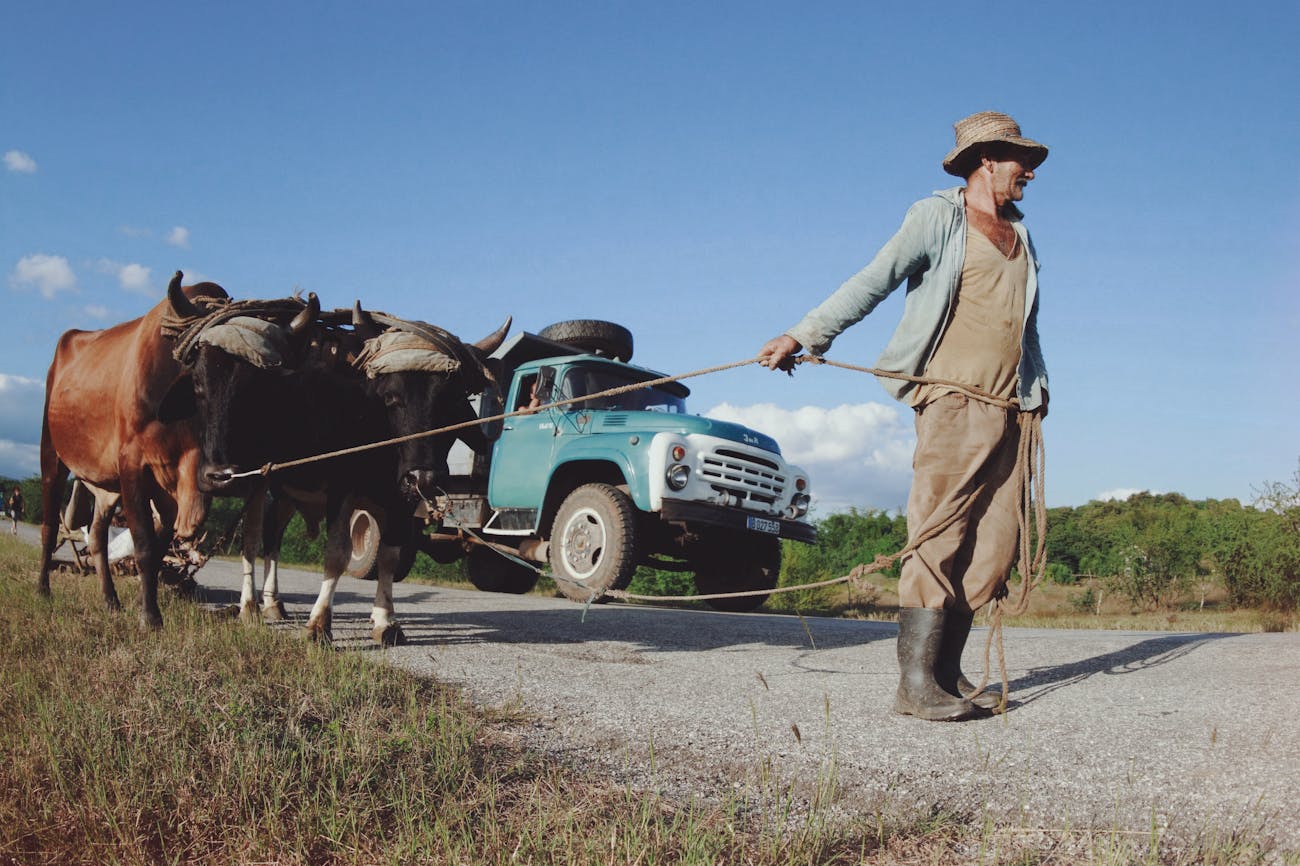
212, 743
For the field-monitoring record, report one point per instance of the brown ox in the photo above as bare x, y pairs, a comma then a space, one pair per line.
102, 423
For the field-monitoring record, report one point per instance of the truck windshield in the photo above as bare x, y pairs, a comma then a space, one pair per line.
580, 381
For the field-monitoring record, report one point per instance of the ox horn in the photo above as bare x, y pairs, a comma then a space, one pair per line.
181, 305
363, 321
303, 320
493, 341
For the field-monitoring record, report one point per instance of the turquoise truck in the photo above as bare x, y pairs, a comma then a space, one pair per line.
601, 485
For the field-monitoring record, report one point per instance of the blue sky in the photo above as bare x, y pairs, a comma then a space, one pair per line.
701, 172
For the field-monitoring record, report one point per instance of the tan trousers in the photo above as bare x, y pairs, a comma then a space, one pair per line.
965, 463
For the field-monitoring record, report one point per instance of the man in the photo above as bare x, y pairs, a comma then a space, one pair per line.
16, 506
970, 317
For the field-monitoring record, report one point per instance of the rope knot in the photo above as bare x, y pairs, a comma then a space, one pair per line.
858, 575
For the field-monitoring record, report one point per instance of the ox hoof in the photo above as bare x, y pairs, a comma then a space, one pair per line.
388, 635
248, 613
151, 621
274, 612
319, 630
113, 604
318, 637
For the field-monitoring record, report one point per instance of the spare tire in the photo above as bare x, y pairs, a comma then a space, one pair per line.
363, 530
592, 335
365, 535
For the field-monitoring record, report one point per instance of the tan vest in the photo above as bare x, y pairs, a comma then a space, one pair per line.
981, 344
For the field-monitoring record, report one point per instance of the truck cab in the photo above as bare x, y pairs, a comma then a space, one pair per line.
596, 472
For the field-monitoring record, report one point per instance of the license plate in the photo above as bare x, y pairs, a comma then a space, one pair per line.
762, 524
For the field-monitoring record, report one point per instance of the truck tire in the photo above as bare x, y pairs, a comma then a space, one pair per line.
737, 563
363, 530
489, 571
593, 544
592, 335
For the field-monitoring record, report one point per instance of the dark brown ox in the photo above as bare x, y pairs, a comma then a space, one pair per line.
379, 380
102, 422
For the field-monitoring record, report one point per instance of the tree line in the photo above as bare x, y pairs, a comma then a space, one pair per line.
1154, 549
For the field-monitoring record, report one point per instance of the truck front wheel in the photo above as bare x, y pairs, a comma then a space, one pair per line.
593, 541
736, 563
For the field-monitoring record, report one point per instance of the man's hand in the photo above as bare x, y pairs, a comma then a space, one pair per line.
778, 353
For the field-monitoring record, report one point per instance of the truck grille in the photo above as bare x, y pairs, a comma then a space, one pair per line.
753, 480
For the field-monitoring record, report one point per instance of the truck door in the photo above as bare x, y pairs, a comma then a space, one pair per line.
522, 455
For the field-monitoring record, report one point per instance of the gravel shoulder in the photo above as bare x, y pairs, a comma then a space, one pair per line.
1195, 734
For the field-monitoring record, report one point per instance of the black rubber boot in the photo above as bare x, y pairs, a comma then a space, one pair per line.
920, 636
956, 629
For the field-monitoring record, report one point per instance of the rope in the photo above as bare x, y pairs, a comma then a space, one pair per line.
397, 440
1030, 467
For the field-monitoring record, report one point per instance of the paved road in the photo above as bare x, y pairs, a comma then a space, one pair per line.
1196, 732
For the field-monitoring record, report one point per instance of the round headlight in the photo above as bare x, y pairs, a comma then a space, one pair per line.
678, 475
798, 505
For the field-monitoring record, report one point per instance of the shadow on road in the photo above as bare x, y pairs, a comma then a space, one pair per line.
636, 627
1150, 653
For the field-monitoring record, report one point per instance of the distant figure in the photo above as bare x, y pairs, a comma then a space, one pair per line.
971, 317
15, 506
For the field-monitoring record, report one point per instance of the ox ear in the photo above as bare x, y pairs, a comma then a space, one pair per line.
182, 306
493, 341
178, 403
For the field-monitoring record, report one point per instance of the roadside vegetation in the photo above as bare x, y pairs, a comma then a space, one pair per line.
1151, 562
212, 743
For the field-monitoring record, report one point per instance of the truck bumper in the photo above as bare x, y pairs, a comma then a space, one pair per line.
734, 518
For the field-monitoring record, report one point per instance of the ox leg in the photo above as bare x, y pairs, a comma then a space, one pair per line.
248, 613
148, 554
338, 549
386, 631
54, 477
277, 519
98, 550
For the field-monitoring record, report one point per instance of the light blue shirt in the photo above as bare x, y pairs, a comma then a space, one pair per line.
928, 251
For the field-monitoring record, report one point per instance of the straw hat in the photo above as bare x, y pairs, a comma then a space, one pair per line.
986, 127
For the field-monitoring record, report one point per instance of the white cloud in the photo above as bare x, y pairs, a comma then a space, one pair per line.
16, 160
855, 454
135, 232
131, 277
95, 311
179, 236
48, 274
135, 278
1119, 494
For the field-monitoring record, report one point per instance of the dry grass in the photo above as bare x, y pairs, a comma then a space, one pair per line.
212, 743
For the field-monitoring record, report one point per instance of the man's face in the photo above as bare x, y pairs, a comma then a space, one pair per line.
1009, 177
